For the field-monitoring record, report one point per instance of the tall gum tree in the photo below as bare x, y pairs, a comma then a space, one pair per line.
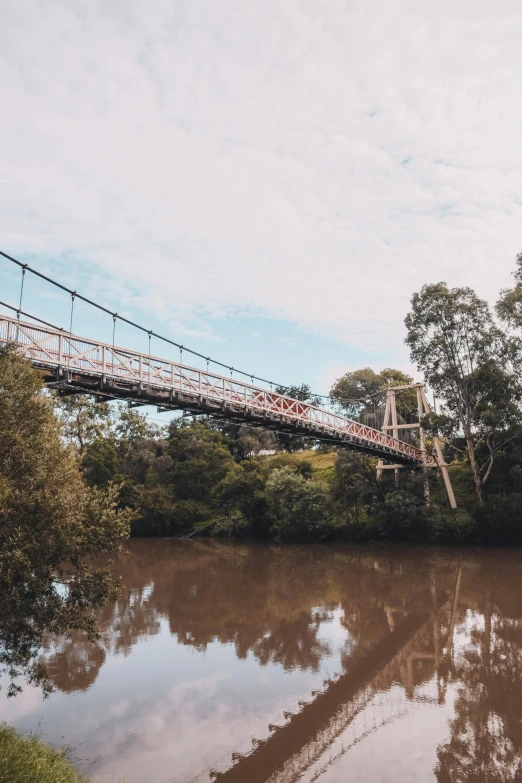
509, 306
468, 361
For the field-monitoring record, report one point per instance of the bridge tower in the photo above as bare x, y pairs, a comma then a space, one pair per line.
390, 422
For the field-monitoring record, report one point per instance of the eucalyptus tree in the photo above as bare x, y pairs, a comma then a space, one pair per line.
469, 362
364, 390
509, 306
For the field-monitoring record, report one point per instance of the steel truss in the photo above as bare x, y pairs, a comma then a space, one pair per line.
73, 364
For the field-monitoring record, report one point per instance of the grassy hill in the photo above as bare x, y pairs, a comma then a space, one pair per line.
322, 462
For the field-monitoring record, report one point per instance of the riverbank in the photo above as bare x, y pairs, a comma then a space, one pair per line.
30, 760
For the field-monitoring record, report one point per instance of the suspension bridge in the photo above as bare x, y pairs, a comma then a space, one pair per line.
73, 364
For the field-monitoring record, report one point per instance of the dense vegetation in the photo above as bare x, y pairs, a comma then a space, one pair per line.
195, 477
204, 476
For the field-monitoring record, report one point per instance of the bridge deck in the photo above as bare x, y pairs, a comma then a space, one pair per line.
71, 363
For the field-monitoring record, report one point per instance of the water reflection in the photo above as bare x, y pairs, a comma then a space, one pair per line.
388, 642
486, 732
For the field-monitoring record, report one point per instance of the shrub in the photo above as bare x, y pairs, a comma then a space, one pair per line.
299, 509
499, 521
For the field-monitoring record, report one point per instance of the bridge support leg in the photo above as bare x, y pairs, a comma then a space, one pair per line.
384, 426
423, 446
441, 463
391, 423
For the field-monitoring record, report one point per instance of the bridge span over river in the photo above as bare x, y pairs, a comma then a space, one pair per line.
73, 364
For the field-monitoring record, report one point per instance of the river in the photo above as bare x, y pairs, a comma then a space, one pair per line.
249, 663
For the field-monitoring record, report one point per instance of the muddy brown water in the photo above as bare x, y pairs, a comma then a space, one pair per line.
249, 663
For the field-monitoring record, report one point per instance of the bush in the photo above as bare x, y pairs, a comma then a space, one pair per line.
499, 521
299, 509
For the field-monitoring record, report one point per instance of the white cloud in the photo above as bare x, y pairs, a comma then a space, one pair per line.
312, 161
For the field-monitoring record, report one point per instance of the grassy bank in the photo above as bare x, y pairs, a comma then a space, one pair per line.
29, 760
323, 463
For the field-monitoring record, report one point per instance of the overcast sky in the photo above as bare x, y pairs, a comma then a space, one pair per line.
270, 178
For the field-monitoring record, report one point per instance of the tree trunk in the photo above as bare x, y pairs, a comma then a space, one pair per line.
474, 469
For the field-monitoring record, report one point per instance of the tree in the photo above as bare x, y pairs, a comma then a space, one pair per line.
199, 460
509, 306
83, 419
467, 360
302, 392
246, 442
362, 391
51, 526
132, 429
240, 495
355, 485
100, 462
155, 510
298, 508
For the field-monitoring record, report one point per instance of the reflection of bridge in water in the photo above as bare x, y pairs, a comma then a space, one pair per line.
367, 697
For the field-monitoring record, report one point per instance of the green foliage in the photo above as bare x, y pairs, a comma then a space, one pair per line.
246, 442
303, 467
467, 360
200, 459
299, 509
83, 419
405, 516
155, 510
509, 306
30, 760
51, 525
100, 462
240, 496
355, 487
302, 392
500, 521
363, 391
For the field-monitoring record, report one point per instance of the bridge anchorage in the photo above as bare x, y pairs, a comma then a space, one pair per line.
72, 364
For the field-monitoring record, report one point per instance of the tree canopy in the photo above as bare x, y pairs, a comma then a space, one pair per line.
468, 361
365, 389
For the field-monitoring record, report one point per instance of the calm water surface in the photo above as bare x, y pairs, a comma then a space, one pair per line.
254, 663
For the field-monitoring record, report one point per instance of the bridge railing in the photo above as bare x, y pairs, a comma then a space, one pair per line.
53, 349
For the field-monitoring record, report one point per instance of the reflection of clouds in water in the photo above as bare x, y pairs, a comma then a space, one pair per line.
27, 702
402, 751
169, 737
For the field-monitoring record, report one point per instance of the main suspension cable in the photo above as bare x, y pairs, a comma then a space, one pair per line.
150, 332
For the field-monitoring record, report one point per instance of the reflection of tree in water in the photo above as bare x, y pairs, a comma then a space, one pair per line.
294, 644
132, 617
486, 733
74, 663
265, 600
